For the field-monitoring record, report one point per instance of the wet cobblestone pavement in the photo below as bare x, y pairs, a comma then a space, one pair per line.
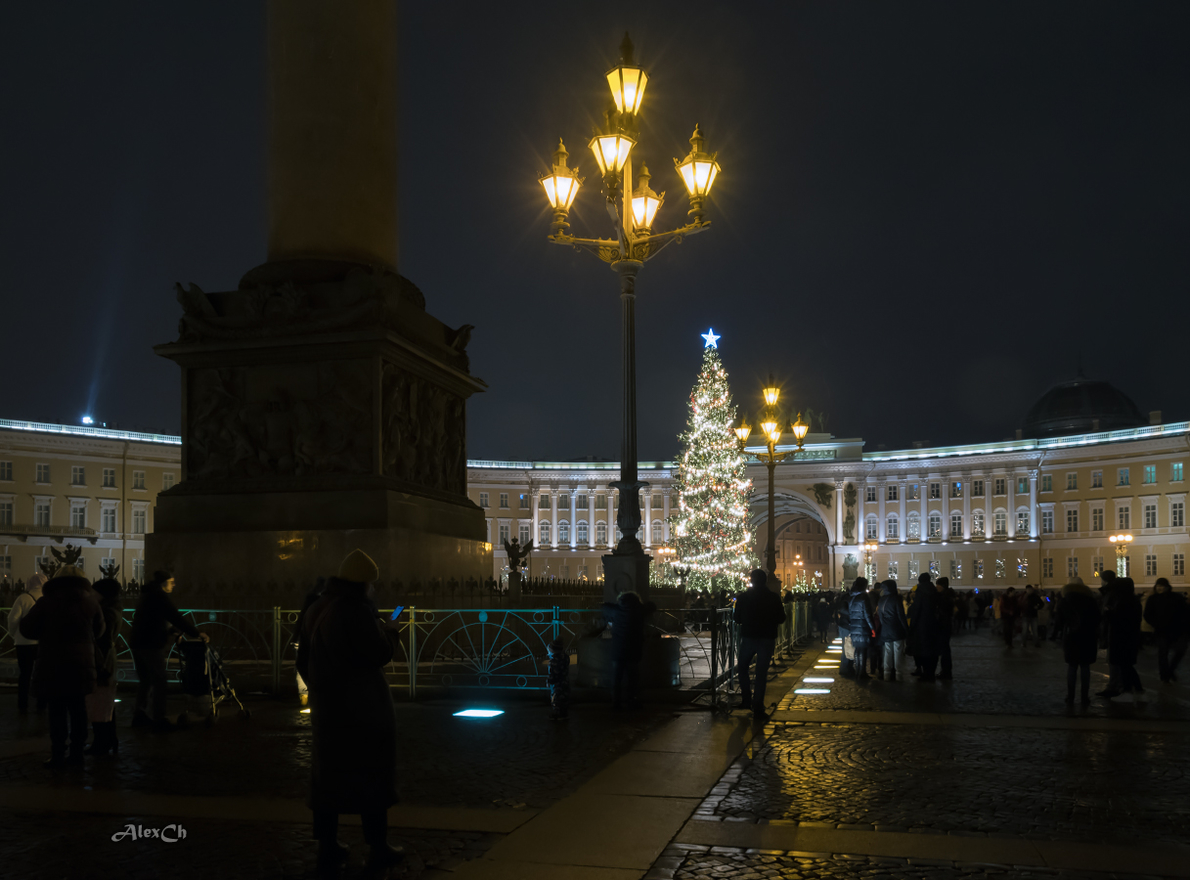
697, 862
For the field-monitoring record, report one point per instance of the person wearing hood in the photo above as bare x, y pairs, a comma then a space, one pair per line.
1123, 614
923, 627
66, 621
628, 616
1078, 615
860, 625
345, 645
26, 648
894, 631
101, 702
1166, 611
155, 616
759, 613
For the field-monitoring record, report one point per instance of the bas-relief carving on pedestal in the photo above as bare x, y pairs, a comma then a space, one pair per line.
280, 421
424, 432
850, 569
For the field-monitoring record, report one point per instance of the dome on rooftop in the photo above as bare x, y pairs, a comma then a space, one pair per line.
1080, 407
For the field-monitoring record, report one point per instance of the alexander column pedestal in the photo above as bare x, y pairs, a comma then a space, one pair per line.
323, 408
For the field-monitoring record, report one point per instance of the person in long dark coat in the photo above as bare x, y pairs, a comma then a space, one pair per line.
1166, 612
101, 702
628, 617
945, 623
1078, 615
1123, 615
153, 624
894, 631
859, 624
923, 627
345, 647
66, 622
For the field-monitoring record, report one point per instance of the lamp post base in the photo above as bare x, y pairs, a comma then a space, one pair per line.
623, 572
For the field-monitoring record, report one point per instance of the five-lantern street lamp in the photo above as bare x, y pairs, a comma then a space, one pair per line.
870, 547
632, 213
770, 427
1121, 542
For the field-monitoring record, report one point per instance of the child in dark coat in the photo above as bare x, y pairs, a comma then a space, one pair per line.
558, 678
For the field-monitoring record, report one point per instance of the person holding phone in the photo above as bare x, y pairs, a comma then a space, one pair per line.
345, 645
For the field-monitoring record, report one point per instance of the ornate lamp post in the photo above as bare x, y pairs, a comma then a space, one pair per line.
870, 547
769, 426
1121, 542
632, 214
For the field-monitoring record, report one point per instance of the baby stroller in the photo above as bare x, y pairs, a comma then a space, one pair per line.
203, 676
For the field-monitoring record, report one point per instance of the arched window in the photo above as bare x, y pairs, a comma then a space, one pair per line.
658, 531
601, 532
913, 528
582, 531
1022, 521
935, 525
872, 527
543, 533
956, 525
563, 531
893, 528
1001, 521
977, 524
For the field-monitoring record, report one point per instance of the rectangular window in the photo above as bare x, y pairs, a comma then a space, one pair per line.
6, 471
138, 522
1022, 568
43, 473
977, 569
543, 534
1022, 485
483, 500
107, 562
523, 501
1000, 569
1001, 486
935, 490
977, 525
138, 480
1022, 523
524, 533
1179, 565
1047, 567
934, 569
1150, 565
5, 568
41, 513
1072, 520
1175, 472
543, 502
1096, 479
5, 513
872, 529
78, 476
1047, 522
601, 532
1150, 514
956, 525
977, 488
657, 501
1122, 477
1177, 514
1124, 517
601, 502
109, 478
107, 520
956, 570
1097, 565
78, 516
1047, 482
1001, 522
580, 532
892, 493
892, 570
935, 523
504, 501
914, 566
563, 501
505, 533
1150, 473
167, 480
914, 492
870, 493
138, 570
1071, 566
1071, 482
1097, 519
893, 529
956, 489
580, 502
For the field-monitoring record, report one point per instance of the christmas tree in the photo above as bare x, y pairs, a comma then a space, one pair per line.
711, 524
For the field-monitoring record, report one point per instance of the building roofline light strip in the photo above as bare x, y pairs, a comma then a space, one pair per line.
89, 431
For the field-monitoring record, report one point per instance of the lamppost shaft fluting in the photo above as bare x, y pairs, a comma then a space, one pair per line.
770, 553
629, 518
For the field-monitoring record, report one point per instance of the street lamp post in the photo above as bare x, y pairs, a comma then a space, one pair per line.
632, 213
1121, 542
870, 547
769, 425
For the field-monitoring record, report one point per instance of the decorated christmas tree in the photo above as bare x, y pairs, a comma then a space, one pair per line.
710, 526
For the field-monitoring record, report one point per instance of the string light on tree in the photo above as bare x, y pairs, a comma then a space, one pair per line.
711, 524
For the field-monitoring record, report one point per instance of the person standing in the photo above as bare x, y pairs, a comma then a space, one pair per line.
1031, 604
66, 622
558, 679
860, 625
946, 611
26, 647
894, 631
149, 641
628, 616
923, 627
345, 646
1009, 611
1078, 616
1166, 611
1123, 615
101, 702
758, 613
822, 617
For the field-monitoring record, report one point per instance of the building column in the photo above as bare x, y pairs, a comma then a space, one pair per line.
966, 508
944, 487
881, 498
839, 511
533, 502
647, 495
1010, 503
554, 514
904, 524
574, 519
665, 513
1034, 526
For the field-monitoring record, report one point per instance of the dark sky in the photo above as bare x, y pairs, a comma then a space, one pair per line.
927, 211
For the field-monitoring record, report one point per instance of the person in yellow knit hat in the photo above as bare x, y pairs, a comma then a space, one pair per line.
344, 646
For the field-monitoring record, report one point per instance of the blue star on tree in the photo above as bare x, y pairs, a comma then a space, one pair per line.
711, 338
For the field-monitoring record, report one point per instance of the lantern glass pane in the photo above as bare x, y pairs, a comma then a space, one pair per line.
569, 190
551, 191
687, 171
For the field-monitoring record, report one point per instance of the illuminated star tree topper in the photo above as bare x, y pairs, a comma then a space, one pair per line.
710, 526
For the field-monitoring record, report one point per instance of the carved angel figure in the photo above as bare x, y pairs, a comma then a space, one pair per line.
517, 555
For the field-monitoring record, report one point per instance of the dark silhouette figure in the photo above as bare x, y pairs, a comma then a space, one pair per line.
156, 616
1122, 614
759, 613
860, 625
1167, 612
923, 627
627, 616
1078, 615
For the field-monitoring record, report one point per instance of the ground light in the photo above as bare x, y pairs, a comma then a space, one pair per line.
305, 711
817, 680
479, 713
811, 690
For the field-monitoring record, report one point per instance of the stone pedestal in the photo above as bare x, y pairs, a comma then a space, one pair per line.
625, 572
514, 588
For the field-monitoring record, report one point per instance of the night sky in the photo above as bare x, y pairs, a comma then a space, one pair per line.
928, 212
